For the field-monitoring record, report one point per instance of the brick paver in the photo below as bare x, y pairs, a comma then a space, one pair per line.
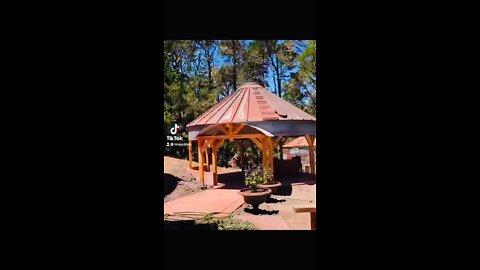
212, 200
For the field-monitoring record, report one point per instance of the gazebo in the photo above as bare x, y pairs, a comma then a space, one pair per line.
299, 147
251, 112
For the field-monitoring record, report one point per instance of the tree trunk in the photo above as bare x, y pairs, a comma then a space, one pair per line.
273, 71
279, 82
274, 82
310, 95
234, 74
209, 63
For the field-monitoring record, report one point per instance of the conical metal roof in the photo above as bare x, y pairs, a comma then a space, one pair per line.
251, 103
299, 142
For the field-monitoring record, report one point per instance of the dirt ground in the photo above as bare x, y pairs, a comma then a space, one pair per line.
179, 183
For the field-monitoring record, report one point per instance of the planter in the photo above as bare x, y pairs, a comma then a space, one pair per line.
255, 198
274, 187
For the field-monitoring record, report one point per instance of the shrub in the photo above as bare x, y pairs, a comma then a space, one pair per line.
203, 221
268, 176
254, 178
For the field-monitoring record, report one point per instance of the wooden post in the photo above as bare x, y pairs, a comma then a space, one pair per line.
264, 153
217, 145
190, 154
311, 154
314, 169
207, 158
214, 162
312, 157
200, 161
271, 144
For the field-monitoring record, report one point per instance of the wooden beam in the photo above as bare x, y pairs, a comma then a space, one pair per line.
307, 137
200, 161
257, 142
311, 154
305, 208
218, 144
230, 131
213, 144
237, 136
237, 130
222, 128
190, 154
207, 143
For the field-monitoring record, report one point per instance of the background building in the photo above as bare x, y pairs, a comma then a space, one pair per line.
299, 148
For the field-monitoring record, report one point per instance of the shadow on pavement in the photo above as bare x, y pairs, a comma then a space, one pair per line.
260, 211
170, 182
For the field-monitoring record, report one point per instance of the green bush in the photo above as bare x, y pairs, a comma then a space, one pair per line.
268, 176
254, 178
200, 221
230, 224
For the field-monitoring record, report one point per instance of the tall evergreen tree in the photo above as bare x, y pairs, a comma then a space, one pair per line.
234, 50
256, 64
308, 73
281, 59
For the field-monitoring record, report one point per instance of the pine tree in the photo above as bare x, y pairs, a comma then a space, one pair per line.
234, 50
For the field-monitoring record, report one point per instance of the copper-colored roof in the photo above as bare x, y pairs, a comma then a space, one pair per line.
299, 142
251, 103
